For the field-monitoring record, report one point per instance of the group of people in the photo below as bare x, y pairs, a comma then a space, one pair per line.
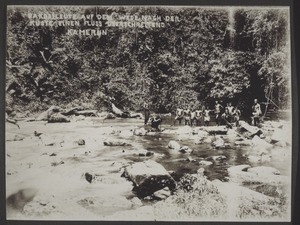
227, 115
223, 115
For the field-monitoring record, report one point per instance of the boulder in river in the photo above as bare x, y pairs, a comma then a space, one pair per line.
222, 130
81, 142
145, 153
58, 118
243, 174
185, 149
174, 145
114, 143
261, 144
140, 131
205, 163
248, 130
281, 136
264, 170
148, 177
46, 114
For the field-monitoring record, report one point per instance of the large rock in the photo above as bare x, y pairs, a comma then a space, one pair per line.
174, 145
46, 114
58, 118
281, 136
237, 169
216, 130
248, 130
148, 177
264, 170
260, 144
205, 163
240, 174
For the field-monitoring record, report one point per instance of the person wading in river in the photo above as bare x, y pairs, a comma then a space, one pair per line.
155, 122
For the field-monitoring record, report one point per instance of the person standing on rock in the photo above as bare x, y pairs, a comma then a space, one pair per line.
218, 108
146, 113
256, 112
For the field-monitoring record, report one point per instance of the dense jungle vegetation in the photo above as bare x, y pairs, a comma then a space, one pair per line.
232, 55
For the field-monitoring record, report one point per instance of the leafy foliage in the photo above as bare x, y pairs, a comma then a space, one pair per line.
186, 63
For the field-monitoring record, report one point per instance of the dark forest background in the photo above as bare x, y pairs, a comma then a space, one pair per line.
211, 54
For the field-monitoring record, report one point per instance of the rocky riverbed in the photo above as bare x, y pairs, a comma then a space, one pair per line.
94, 169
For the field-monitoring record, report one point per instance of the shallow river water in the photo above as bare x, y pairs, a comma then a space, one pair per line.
58, 169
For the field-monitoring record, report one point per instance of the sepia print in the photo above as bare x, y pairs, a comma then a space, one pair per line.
157, 113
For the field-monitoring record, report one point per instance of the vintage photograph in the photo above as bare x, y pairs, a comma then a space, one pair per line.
148, 113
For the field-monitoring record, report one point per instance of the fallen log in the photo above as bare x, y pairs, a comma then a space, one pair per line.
49, 112
58, 118
86, 113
